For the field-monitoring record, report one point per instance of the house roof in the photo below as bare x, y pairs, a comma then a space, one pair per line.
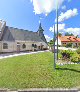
69, 39
12, 34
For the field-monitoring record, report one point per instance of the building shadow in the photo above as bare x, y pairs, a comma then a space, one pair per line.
68, 69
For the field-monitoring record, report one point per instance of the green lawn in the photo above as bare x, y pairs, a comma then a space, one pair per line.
36, 71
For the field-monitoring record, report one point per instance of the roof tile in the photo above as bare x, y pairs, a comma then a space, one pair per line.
69, 39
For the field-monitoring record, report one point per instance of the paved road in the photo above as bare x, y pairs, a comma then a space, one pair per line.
8, 55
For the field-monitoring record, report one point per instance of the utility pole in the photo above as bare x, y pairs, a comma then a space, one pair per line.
57, 25
54, 50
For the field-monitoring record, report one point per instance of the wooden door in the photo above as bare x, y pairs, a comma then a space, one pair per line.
18, 47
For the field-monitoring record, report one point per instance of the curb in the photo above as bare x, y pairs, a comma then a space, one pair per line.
49, 90
42, 90
21, 54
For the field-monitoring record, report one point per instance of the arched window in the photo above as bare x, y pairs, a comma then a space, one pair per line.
5, 46
35, 46
32, 45
23, 46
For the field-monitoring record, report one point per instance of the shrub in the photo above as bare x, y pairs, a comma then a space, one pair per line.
69, 45
60, 56
66, 54
75, 58
78, 50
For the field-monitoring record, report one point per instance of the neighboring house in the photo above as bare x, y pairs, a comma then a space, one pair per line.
14, 39
64, 40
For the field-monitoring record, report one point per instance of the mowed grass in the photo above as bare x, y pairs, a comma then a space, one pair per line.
36, 71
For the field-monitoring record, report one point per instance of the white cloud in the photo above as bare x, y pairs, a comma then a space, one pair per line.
75, 31
63, 7
70, 13
48, 38
61, 27
45, 7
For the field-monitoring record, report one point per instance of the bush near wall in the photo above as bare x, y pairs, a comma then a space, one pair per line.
69, 45
67, 53
78, 50
73, 56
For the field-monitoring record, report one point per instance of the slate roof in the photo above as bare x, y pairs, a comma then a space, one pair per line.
12, 34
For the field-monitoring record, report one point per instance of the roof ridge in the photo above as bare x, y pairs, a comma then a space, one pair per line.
21, 29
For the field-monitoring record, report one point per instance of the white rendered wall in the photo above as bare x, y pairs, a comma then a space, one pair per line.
12, 46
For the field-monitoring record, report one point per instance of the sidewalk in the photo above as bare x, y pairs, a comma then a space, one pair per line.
9, 55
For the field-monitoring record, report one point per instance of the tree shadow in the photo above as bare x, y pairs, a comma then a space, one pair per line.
68, 69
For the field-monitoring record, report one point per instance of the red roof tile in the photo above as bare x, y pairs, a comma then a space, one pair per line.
69, 39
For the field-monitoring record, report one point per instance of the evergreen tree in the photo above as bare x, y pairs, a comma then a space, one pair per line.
68, 34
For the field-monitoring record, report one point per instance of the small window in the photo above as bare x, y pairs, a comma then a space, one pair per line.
23, 46
32, 45
5, 46
35, 46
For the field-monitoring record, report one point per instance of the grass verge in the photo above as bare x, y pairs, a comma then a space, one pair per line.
36, 71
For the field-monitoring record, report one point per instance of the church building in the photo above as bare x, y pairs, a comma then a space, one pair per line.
16, 40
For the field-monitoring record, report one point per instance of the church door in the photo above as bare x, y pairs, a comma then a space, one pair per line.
18, 47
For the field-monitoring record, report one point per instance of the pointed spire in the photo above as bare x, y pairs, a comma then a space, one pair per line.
40, 27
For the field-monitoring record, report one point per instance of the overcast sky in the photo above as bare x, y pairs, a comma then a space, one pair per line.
26, 14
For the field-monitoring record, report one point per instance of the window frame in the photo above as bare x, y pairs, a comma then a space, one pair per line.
24, 46
5, 45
